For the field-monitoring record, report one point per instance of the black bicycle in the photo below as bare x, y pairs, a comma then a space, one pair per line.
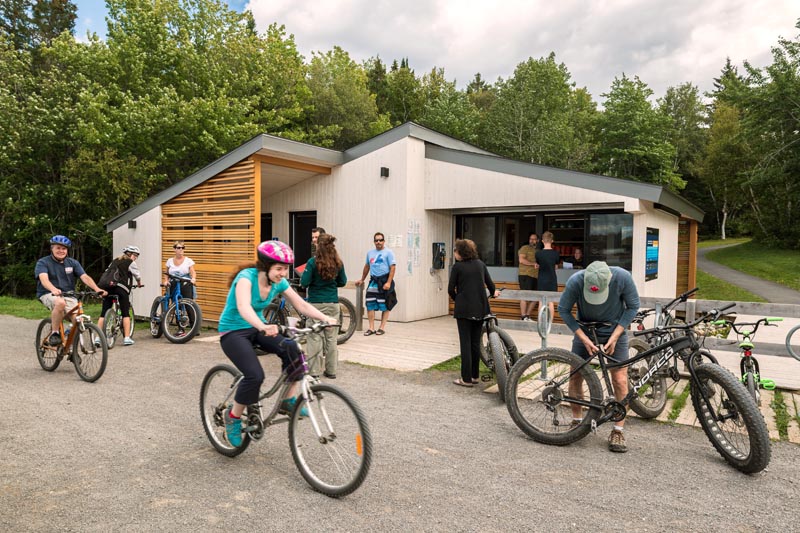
548, 389
498, 352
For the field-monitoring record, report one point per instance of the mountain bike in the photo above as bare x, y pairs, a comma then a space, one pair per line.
793, 342
83, 344
748, 365
652, 398
547, 391
178, 318
329, 436
112, 321
279, 310
498, 352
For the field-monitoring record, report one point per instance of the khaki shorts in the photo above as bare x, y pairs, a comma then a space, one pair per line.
49, 301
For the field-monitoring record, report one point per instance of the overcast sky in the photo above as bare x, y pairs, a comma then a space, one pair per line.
663, 42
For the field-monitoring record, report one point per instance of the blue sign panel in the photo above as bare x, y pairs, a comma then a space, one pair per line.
651, 257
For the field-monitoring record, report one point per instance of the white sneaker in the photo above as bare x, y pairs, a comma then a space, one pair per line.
127, 341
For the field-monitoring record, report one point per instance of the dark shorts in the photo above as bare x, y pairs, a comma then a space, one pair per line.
527, 283
620, 350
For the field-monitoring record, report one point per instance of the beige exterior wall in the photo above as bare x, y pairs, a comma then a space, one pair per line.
667, 225
147, 236
354, 202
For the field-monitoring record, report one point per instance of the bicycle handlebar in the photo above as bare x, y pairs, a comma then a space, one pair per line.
179, 278
705, 317
79, 294
736, 326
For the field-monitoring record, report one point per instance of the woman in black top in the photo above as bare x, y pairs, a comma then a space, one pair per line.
547, 260
469, 280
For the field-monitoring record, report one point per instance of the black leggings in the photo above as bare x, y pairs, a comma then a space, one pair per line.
124, 301
238, 346
469, 337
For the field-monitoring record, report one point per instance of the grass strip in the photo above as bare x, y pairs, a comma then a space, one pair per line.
781, 415
678, 404
712, 288
454, 365
773, 264
720, 242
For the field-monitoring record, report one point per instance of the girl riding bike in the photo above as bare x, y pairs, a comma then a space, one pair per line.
241, 326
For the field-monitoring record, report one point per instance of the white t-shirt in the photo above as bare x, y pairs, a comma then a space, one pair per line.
179, 270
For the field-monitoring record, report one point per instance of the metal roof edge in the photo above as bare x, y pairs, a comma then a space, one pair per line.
622, 187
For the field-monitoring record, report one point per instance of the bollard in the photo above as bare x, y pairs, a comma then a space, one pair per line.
359, 318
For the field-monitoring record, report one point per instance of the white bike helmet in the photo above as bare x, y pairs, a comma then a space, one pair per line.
130, 249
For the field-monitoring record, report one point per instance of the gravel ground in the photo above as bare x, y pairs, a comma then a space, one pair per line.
128, 453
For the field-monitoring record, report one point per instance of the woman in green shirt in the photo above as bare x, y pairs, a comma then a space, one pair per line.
323, 275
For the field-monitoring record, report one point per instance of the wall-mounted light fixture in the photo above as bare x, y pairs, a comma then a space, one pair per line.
131, 224
384, 172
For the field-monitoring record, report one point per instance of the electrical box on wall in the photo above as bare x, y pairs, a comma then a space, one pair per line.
439, 255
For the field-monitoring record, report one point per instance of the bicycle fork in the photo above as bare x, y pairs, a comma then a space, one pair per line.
310, 398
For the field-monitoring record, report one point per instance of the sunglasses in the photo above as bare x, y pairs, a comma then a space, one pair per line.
179, 247
378, 240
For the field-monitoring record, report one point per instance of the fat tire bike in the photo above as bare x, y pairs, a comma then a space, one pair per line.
83, 344
540, 399
331, 442
498, 352
748, 364
176, 317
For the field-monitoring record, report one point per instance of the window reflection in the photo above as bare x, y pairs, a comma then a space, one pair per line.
482, 231
611, 239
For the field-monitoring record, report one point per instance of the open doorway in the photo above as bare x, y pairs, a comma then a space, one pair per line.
300, 225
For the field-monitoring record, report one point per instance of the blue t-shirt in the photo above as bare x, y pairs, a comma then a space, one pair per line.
231, 319
380, 261
62, 275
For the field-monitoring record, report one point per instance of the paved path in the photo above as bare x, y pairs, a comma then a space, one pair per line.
128, 453
770, 291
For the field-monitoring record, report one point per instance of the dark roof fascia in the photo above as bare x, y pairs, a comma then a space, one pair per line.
632, 189
409, 129
259, 142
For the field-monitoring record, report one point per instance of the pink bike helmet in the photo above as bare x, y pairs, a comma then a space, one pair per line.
275, 252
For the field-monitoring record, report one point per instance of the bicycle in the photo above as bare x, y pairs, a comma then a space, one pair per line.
89, 358
112, 321
748, 365
541, 403
793, 342
498, 352
331, 444
177, 317
278, 311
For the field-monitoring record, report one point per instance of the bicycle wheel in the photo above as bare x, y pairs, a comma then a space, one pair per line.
793, 342
110, 327
335, 458
89, 359
180, 322
733, 425
156, 320
347, 319
49, 356
538, 397
275, 314
652, 398
500, 365
752, 387
508, 342
216, 395
132, 316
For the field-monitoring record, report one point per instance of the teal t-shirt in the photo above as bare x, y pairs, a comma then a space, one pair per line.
230, 319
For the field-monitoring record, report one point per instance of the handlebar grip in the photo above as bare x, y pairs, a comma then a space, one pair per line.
645, 332
720, 322
774, 319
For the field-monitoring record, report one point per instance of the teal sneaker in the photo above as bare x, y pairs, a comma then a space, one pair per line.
287, 406
233, 429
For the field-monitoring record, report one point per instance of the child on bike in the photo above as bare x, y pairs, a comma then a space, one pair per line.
242, 325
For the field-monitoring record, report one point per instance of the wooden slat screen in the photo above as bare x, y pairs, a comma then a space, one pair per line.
217, 221
687, 256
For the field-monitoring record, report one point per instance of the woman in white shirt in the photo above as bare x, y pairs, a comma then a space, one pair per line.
180, 265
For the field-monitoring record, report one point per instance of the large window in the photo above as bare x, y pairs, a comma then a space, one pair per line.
611, 239
483, 231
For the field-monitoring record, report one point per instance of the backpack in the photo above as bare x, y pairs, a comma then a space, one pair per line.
113, 275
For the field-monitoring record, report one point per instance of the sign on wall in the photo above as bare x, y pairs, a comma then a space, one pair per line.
651, 257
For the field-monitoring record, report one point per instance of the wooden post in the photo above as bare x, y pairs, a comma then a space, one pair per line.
359, 318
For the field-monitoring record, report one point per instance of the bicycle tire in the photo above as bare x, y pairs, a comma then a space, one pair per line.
275, 315
49, 356
652, 398
132, 316
752, 387
156, 318
793, 342
337, 463
500, 364
89, 360
216, 385
110, 327
347, 320
181, 322
741, 437
508, 342
532, 399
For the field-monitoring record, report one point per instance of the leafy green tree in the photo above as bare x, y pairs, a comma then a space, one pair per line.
451, 112
405, 98
687, 114
634, 137
16, 23
342, 99
377, 83
51, 18
583, 118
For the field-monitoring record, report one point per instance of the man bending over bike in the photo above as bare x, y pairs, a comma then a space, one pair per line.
242, 325
603, 294
57, 273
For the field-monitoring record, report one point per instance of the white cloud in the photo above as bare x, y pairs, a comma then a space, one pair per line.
664, 43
